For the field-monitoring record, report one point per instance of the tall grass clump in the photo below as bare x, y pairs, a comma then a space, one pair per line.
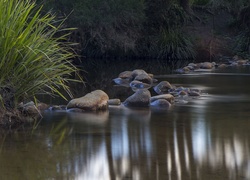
34, 58
174, 45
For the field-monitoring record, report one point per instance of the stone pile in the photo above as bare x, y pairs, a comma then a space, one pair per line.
211, 66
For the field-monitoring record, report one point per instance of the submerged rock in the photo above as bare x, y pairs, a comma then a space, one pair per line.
96, 100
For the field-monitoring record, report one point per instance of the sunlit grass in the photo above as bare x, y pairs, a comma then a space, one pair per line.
34, 58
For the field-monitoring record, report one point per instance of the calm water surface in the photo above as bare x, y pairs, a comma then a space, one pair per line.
207, 138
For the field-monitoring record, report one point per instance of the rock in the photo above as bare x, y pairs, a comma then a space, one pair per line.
242, 62
125, 75
222, 66
115, 102
162, 87
122, 82
42, 106
145, 78
193, 65
191, 68
160, 103
236, 58
140, 98
136, 85
168, 97
207, 65
96, 100
183, 93
137, 72
28, 108
185, 69
193, 93
57, 107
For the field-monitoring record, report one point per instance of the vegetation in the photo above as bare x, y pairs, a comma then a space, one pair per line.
141, 29
34, 58
123, 28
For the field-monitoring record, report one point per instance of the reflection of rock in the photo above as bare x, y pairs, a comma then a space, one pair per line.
162, 87
96, 100
140, 98
99, 117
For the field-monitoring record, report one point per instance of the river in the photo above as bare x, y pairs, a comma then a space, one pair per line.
206, 138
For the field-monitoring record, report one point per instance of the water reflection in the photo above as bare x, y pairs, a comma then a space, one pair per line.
207, 138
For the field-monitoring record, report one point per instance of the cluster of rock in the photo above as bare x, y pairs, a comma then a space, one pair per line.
138, 80
210, 66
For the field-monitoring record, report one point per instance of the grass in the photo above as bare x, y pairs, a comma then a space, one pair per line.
34, 56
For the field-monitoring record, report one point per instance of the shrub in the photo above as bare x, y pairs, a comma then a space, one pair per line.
33, 58
104, 27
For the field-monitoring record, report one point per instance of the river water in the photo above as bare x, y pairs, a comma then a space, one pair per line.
206, 138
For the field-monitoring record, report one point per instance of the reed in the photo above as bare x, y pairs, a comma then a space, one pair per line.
34, 58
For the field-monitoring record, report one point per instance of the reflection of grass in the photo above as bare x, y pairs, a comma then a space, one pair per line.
59, 131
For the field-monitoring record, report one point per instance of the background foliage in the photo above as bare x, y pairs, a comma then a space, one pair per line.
141, 29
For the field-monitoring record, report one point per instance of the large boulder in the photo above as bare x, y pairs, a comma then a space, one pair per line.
96, 100
140, 98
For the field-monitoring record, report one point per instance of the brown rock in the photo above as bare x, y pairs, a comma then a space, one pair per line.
96, 100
